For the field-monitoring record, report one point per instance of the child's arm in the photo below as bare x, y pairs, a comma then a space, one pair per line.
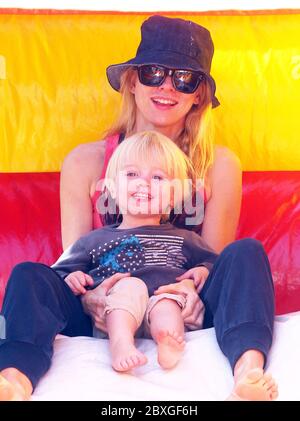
77, 282
73, 266
200, 260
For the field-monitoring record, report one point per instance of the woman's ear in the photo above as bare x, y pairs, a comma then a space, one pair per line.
133, 83
132, 87
199, 94
197, 99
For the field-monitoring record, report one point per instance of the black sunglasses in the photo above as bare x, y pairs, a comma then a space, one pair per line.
185, 81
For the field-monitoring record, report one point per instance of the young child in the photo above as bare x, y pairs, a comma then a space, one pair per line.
146, 178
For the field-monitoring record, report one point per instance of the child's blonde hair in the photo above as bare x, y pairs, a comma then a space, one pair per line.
153, 147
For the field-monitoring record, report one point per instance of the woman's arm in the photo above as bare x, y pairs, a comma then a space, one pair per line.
79, 174
94, 301
222, 210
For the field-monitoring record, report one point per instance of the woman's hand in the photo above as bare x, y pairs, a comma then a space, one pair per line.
94, 302
77, 281
193, 312
198, 275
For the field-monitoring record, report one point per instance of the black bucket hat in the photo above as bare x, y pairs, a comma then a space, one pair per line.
173, 43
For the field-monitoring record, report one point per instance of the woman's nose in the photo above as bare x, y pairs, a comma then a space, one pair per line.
167, 83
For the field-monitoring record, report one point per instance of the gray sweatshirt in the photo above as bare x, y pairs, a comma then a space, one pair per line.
157, 254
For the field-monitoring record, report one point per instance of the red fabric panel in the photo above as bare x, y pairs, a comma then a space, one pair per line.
30, 225
271, 213
29, 222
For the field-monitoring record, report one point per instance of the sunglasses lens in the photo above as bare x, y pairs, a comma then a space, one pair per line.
186, 81
151, 75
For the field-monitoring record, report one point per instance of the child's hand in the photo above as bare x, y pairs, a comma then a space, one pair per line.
198, 275
77, 281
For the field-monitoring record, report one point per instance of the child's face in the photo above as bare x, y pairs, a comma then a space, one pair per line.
142, 189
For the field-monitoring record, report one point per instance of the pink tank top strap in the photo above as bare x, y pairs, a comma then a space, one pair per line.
111, 142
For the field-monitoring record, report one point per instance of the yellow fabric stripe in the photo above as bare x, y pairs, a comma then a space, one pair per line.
54, 93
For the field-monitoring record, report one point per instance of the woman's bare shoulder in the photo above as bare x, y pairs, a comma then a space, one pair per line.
226, 166
225, 156
84, 153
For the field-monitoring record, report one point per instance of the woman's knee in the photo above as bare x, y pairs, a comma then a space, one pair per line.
245, 246
23, 270
27, 273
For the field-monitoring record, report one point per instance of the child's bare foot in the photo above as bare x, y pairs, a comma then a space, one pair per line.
12, 390
126, 356
170, 346
255, 386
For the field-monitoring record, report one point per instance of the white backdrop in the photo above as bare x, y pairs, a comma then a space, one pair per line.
152, 5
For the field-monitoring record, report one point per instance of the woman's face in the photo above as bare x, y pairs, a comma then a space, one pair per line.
162, 108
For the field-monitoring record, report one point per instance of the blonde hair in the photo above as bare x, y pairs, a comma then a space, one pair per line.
152, 146
197, 138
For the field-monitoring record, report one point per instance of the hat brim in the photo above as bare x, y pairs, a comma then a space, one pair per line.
167, 59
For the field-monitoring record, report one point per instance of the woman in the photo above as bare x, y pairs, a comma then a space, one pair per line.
168, 87
186, 119
154, 98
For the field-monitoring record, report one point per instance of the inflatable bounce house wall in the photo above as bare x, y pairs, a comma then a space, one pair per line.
54, 95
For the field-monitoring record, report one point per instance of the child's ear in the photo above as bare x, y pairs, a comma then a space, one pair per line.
172, 199
112, 193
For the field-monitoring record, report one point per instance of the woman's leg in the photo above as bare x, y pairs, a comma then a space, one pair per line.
167, 329
251, 383
239, 302
37, 306
125, 308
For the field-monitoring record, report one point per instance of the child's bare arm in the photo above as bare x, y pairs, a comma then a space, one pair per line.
77, 281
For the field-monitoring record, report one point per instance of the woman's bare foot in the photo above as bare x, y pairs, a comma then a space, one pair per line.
170, 346
255, 385
14, 386
126, 356
6, 390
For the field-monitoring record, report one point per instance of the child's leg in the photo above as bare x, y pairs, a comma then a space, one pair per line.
125, 308
167, 329
121, 327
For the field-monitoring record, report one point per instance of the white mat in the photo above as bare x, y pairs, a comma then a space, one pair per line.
81, 369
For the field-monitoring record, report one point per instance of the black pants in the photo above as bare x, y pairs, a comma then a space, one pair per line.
238, 297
